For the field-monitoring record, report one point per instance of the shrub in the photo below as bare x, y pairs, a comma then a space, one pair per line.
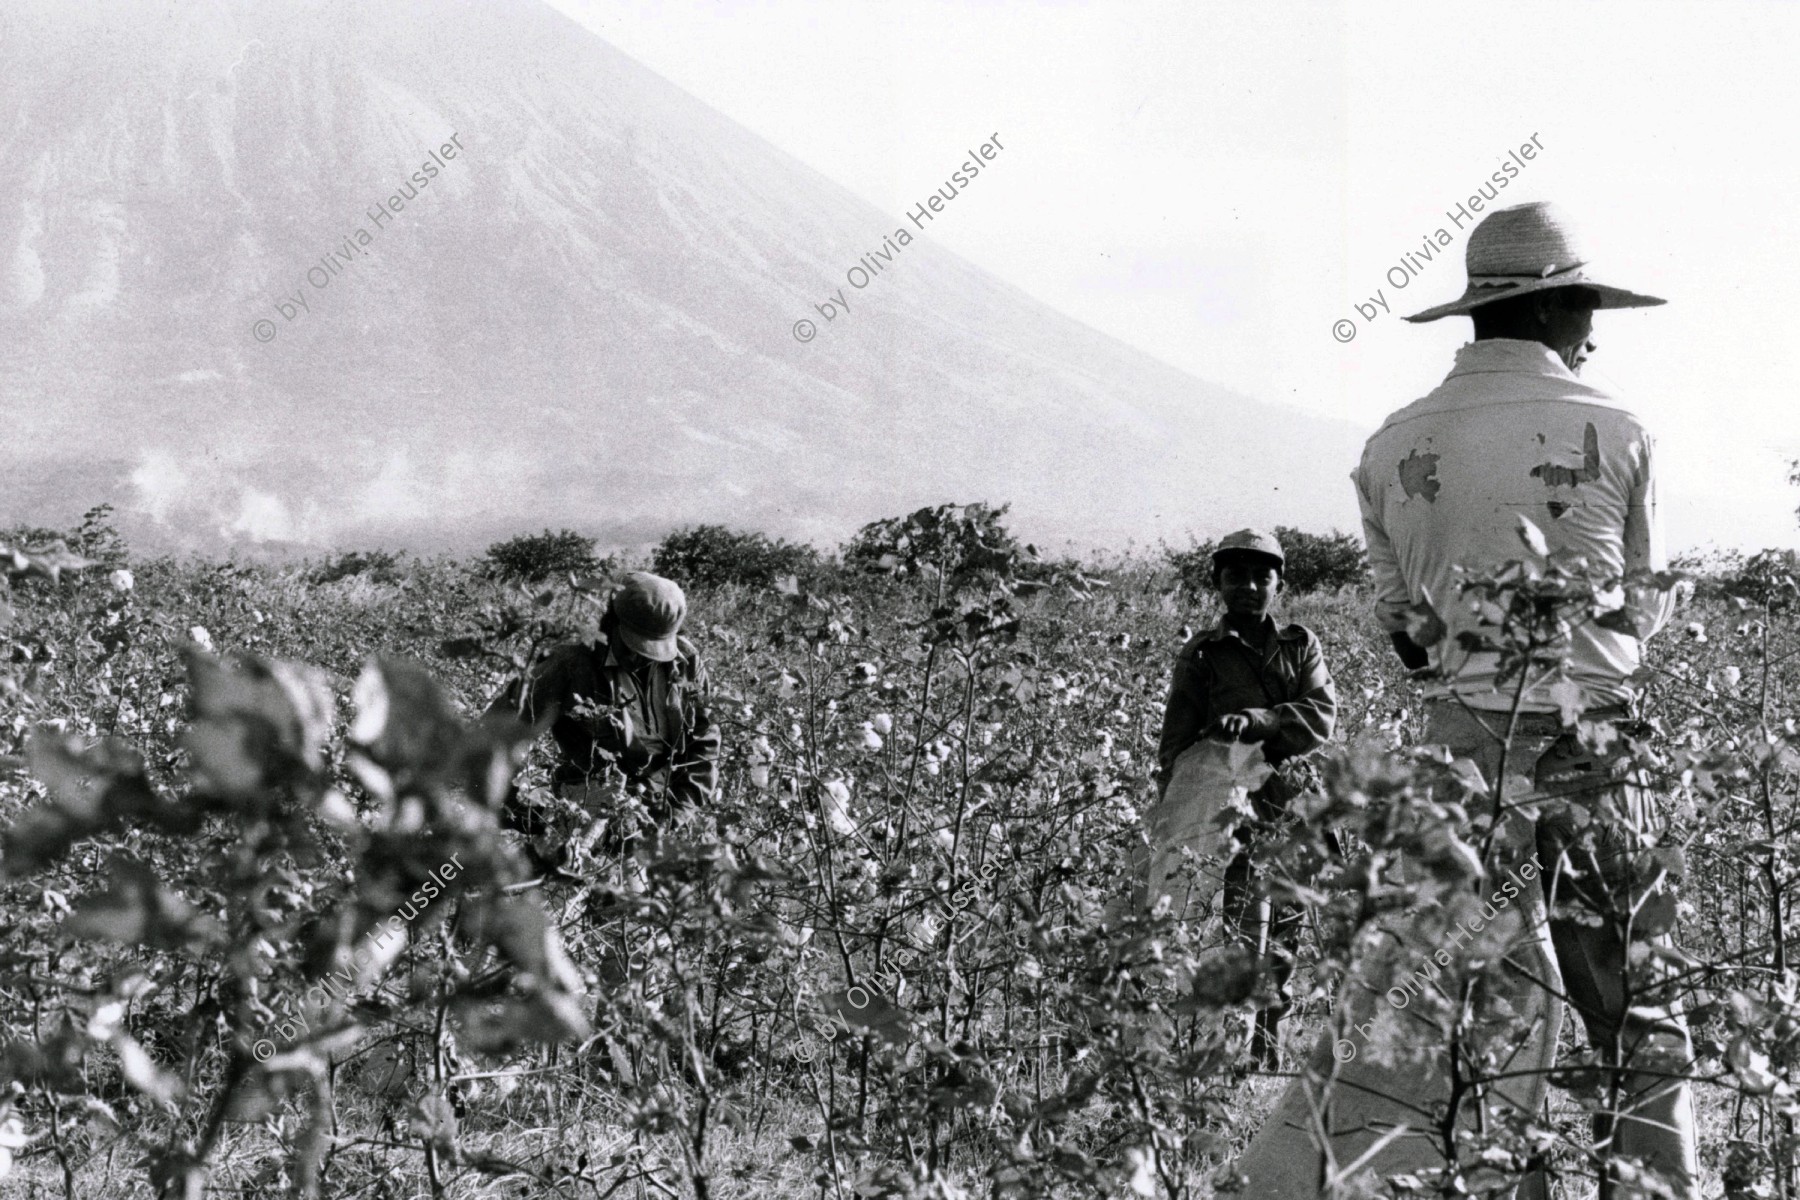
957, 541
1193, 567
1766, 578
94, 539
1322, 562
381, 566
534, 556
1315, 562
710, 555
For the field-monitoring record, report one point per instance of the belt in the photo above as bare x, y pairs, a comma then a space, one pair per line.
1537, 724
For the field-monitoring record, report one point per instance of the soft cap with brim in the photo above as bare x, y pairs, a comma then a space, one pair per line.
1250, 543
1524, 249
650, 610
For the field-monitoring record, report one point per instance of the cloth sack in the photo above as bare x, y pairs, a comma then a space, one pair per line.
1190, 826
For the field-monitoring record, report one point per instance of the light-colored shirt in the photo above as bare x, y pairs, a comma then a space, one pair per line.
1512, 431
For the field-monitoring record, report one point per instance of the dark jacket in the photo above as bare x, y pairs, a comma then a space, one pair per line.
650, 721
1284, 688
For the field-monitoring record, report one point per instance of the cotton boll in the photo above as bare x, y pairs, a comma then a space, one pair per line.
335, 809
836, 803
106, 1020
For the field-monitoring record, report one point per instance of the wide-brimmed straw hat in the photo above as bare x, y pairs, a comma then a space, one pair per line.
1524, 249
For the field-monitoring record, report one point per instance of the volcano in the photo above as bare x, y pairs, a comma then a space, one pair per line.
421, 275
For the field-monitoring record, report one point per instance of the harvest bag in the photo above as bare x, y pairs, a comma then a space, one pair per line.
1190, 827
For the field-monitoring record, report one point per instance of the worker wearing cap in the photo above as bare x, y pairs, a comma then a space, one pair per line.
1248, 679
632, 699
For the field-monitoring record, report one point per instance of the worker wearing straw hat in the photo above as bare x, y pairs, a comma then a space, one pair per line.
1515, 432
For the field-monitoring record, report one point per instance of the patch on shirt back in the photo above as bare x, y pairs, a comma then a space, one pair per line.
1557, 475
1418, 476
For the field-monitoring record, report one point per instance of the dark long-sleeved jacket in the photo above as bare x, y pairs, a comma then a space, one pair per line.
650, 718
1284, 688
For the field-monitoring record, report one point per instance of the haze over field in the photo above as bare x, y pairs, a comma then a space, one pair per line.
586, 318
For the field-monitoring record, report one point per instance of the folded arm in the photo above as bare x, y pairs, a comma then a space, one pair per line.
1305, 722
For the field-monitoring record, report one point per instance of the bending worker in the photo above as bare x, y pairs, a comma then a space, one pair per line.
633, 700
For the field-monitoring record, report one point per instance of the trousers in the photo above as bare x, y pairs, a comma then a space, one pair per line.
1637, 1033
1203, 860
1270, 927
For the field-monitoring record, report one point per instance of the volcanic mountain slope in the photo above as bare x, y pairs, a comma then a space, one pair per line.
583, 315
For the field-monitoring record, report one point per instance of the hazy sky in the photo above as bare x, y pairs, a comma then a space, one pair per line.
1218, 184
